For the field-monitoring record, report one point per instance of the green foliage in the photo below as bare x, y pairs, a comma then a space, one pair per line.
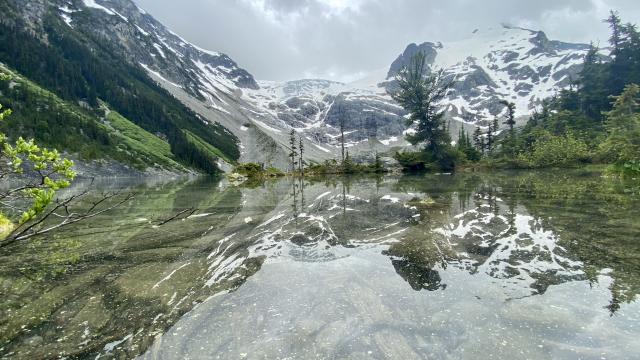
41, 172
256, 171
465, 146
378, 166
54, 122
6, 226
332, 166
622, 145
348, 166
146, 148
206, 148
623, 128
412, 161
556, 151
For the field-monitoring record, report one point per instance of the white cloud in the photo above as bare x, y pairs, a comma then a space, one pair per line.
286, 39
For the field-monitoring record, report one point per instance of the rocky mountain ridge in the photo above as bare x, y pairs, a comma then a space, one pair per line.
501, 63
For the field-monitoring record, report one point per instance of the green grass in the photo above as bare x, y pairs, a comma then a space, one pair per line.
205, 146
132, 138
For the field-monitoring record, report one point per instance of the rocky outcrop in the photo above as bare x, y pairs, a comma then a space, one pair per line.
429, 49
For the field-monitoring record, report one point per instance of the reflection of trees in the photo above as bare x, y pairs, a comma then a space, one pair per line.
596, 222
416, 260
423, 251
533, 230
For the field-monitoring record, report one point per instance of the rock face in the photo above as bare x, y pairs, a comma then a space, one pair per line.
429, 49
319, 108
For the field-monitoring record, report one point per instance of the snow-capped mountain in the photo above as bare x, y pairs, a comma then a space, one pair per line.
318, 108
503, 63
208, 82
506, 63
201, 72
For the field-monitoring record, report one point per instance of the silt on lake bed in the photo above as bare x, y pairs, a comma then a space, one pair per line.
510, 265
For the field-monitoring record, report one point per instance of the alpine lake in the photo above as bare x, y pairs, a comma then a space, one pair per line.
504, 265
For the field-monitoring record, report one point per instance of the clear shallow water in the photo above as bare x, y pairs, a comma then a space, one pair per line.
506, 266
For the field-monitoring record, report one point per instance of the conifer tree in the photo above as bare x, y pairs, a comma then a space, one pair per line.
490, 135
419, 93
293, 150
622, 145
301, 159
592, 88
341, 114
511, 114
378, 166
615, 24
478, 140
347, 164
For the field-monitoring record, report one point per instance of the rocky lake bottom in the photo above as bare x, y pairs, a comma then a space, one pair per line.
507, 265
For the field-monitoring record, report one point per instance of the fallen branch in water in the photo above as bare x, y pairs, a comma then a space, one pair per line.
62, 210
189, 212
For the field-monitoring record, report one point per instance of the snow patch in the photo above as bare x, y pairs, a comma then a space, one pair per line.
94, 5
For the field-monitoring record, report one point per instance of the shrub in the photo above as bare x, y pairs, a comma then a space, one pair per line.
254, 170
556, 151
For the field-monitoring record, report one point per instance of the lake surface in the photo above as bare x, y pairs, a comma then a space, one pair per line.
512, 265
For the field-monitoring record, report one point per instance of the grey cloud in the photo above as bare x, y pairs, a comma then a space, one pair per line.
309, 40
287, 6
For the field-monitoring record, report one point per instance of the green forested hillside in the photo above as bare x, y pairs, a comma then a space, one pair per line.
91, 134
76, 67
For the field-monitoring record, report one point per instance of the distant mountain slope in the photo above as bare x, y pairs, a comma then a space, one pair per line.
317, 108
75, 50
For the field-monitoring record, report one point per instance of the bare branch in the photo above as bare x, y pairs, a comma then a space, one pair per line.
189, 212
31, 230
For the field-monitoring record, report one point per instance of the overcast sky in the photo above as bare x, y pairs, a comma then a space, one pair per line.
345, 39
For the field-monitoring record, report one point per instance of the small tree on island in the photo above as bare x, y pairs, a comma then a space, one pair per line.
378, 165
348, 166
341, 114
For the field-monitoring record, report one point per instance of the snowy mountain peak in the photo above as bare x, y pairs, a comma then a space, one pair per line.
501, 63
201, 72
493, 64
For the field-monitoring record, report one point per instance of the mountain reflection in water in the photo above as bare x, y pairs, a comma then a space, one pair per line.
412, 266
